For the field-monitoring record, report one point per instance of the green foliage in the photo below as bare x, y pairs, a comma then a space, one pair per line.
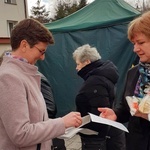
64, 9
39, 13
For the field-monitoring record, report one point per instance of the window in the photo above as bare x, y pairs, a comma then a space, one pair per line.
10, 26
10, 1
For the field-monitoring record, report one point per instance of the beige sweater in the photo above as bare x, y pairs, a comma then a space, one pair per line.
23, 109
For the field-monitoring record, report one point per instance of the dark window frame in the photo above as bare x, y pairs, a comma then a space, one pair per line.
10, 2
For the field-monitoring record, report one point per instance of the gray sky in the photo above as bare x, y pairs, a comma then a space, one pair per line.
48, 3
51, 3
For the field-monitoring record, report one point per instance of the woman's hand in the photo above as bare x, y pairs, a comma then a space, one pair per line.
73, 119
107, 113
140, 114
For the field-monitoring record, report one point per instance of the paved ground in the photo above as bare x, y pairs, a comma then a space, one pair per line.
74, 143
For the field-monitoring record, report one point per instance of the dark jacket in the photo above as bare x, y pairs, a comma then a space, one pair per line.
51, 109
138, 137
97, 90
48, 97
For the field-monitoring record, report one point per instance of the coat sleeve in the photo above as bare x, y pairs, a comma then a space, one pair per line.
93, 94
90, 98
122, 109
48, 97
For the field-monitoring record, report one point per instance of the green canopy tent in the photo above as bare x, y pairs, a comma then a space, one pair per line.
102, 24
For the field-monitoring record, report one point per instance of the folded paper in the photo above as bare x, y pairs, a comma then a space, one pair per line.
70, 132
115, 124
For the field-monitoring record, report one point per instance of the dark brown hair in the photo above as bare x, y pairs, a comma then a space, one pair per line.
32, 31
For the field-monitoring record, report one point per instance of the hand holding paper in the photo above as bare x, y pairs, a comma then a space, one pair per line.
70, 132
98, 119
72, 119
107, 113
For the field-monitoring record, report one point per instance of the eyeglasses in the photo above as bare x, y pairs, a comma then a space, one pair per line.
41, 51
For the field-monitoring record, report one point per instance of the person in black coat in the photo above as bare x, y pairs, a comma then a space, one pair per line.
97, 90
137, 85
46, 89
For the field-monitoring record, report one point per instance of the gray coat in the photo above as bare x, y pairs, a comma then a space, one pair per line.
23, 116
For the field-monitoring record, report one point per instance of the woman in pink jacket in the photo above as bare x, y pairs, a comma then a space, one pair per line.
24, 123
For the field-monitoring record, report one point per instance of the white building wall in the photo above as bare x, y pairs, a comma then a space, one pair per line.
10, 12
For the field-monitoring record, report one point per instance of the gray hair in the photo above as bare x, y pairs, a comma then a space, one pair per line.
86, 52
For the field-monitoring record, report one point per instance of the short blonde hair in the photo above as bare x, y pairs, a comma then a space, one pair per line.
140, 25
86, 52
